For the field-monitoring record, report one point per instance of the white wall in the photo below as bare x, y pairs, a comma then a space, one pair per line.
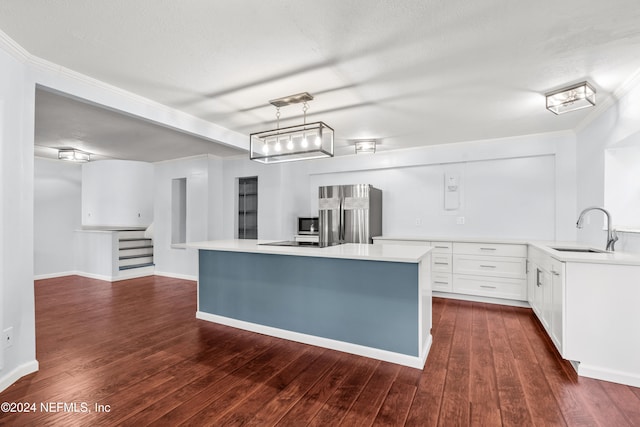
117, 193
615, 127
274, 194
171, 260
519, 187
216, 196
17, 94
57, 205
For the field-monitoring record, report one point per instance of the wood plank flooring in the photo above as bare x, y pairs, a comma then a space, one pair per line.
136, 348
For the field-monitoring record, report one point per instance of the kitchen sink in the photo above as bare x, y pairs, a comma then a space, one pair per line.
580, 250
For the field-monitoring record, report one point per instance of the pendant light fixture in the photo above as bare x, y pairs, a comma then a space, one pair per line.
300, 142
572, 98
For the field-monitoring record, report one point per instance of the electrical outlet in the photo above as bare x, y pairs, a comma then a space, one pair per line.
418, 222
7, 336
460, 220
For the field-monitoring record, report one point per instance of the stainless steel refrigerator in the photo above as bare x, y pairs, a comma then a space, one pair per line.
349, 214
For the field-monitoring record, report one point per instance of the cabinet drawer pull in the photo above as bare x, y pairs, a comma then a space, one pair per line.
440, 283
488, 266
487, 249
487, 286
441, 263
441, 247
555, 273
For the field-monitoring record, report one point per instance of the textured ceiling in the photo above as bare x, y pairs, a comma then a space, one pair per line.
406, 72
64, 122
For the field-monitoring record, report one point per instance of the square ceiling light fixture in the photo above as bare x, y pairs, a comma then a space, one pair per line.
73, 155
365, 147
300, 142
572, 98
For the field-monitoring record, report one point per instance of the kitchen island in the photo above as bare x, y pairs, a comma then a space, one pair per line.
370, 300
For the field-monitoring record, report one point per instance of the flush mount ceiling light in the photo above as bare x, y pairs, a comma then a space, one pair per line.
73, 155
572, 98
301, 142
365, 147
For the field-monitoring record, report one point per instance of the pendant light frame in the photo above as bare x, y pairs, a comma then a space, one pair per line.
301, 142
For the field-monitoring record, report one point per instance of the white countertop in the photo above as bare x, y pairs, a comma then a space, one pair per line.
391, 253
454, 239
622, 258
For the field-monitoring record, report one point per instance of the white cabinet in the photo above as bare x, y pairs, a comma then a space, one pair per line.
546, 293
484, 269
441, 266
490, 249
490, 269
557, 303
508, 267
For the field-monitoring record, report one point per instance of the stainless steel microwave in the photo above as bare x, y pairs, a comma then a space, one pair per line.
307, 225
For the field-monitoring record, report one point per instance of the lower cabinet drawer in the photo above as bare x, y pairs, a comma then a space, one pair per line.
441, 263
510, 267
441, 282
442, 247
497, 287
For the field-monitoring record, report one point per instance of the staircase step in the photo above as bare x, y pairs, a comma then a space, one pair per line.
132, 243
124, 252
130, 234
129, 267
136, 247
136, 259
136, 256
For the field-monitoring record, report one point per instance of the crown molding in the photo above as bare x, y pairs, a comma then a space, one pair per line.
602, 106
14, 49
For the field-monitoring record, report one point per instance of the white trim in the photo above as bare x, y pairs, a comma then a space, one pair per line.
477, 298
93, 276
360, 350
602, 106
605, 374
207, 156
17, 373
14, 49
55, 275
134, 273
147, 272
176, 276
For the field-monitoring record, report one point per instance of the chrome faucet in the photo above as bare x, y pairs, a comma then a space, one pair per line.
612, 236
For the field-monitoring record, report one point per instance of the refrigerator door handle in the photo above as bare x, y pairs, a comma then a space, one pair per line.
341, 231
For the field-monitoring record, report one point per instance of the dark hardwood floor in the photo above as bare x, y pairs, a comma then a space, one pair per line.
136, 348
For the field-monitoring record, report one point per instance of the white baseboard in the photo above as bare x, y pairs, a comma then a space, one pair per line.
54, 275
476, 298
133, 274
17, 373
360, 350
177, 276
599, 373
93, 276
147, 271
